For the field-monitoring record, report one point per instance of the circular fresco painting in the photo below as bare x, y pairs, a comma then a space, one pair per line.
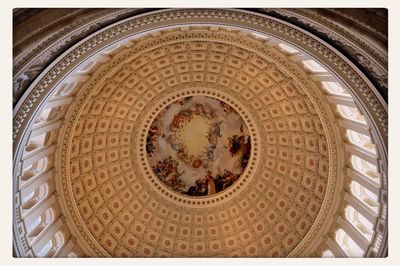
198, 146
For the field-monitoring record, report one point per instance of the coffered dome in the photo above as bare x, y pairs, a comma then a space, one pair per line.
201, 133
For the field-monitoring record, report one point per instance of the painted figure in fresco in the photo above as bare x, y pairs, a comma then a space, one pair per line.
183, 154
239, 145
199, 109
178, 120
217, 128
199, 189
183, 101
230, 178
167, 172
226, 107
225, 180
234, 145
153, 133
208, 112
173, 141
173, 181
210, 183
245, 150
204, 163
219, 183
197, 163
210, 152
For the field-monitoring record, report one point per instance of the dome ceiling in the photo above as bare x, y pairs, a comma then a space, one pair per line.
153, 130
200, 133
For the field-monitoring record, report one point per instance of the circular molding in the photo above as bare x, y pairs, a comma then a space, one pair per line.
167, 194
113, 68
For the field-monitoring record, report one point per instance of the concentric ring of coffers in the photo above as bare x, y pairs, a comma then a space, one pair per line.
119, 205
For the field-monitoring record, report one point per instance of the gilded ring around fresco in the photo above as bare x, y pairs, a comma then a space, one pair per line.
198, 146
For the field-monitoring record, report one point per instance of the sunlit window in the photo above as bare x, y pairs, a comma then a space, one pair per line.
365, 167
59, 237
361, 140
111, 49
327, 254
45, 114
86, 67
31, 146
67, 89
365, 196
335, 88
313, 66
35, 196
35, 168
53, 245
359, 221
40, 223
351, 113
348, 245
50, 114
36, 142
28, 197
34, 224
72, 255
260, 36
44, 252
287, 48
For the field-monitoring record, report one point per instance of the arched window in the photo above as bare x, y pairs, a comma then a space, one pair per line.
72, 255
46, 249
34, 224
28, 197
351, 113
358, 221
335, 88
36, 142
34, 169
60, 239
365, 196
260, 36
364, 167
287, 49
52, 246
44, 114
327, 254
53, 113
31, 146
67, 89
35, 196
313, 66
348, 245
361, 140
39, 224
